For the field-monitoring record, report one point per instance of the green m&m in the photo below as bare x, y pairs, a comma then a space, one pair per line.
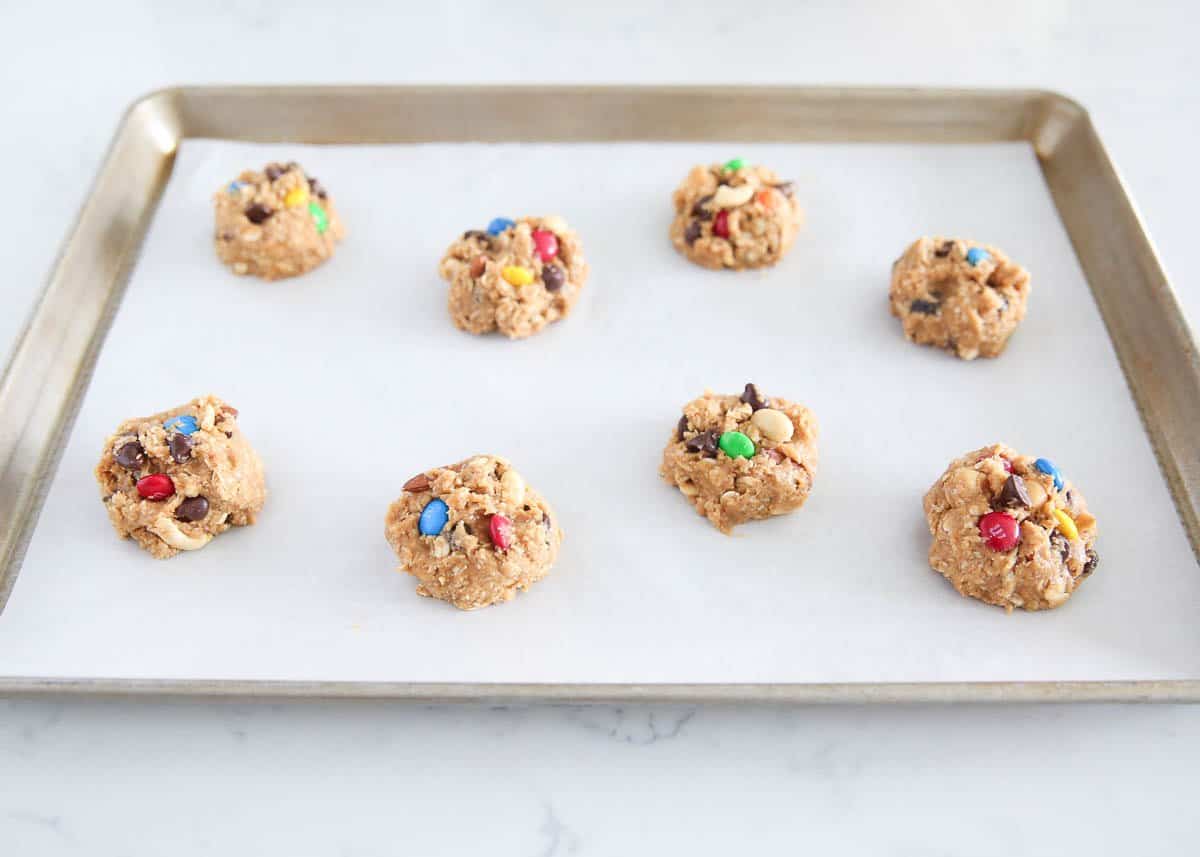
320, 218
735, 165
736, 445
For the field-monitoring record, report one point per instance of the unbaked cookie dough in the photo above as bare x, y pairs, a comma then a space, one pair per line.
735, 215
514, 277
473, 533
742, 458
964, 297
1010, 530
275, 223
174, 480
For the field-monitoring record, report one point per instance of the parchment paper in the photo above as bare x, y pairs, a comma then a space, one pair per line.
352, 378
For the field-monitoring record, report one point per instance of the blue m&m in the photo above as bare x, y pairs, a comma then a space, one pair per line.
185, 424
234, 187
1046, 466
976, 255
498, 225
433, 517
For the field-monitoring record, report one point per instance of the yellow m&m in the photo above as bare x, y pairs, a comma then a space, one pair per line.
296, 196
1066, 525
515, 275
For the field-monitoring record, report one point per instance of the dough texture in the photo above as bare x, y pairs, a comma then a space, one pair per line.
200, 456
734, 216
275, 223
517, 280
945, 301
1052, 546
775, 479
465, 562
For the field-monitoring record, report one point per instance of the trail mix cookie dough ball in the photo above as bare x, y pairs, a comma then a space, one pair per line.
473, 533
1010, 530
734, 215
741, 458
274, 224
964, 297
515, 277
174, 480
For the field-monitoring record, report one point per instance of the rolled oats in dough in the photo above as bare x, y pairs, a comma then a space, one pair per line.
965, 297
1009, 530
276, 223
174, 480
735, 216
473, 533
742, 458
515, 277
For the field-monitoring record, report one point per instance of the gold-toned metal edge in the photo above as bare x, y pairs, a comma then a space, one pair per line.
825, 693
54, 357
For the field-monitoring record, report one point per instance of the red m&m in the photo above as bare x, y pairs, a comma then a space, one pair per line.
999, 531
546, 244
156, 486
720, 226
502, 532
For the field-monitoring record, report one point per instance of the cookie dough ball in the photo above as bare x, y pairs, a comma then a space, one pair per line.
964, 297
174, 480
741, 458
516, 277
473, 533
274, 224
1010, 530
735, 216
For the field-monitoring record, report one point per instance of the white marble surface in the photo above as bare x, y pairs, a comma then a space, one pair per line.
121, 778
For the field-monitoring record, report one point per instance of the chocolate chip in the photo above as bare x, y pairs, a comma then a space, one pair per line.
750, 397
315, 187
944, 251
418, 483
788, 189
181, 447
553, 277
1013, 493
131, 455
227, 236
192, 509
692, 232
699, 211
1093, 561
681, 428
706, 442
258, 212
228, 434
925, 307
1059, 541
273, 171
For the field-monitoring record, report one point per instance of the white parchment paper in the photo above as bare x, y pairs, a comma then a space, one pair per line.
351, 379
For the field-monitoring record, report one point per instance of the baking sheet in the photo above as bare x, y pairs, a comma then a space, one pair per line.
352, 378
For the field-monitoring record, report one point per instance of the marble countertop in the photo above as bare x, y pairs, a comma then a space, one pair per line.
147, 778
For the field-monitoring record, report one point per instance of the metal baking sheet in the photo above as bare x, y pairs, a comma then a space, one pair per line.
352, 378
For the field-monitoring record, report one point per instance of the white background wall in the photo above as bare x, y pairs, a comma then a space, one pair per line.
111, 778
